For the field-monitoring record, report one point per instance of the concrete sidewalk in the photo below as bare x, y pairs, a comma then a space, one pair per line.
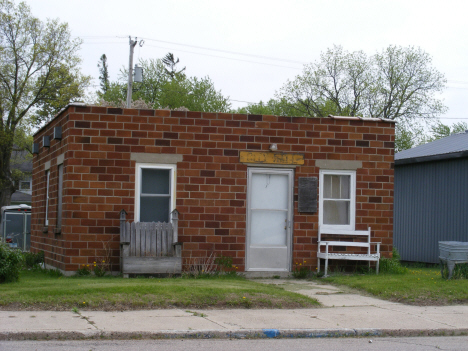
343, 313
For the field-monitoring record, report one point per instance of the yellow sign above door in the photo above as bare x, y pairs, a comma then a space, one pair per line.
275, 158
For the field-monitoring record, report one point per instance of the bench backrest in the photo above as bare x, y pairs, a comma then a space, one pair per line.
359, 233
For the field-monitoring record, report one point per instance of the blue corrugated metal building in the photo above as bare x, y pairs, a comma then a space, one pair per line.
431, 197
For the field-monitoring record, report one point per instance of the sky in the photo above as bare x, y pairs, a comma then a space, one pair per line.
250, 49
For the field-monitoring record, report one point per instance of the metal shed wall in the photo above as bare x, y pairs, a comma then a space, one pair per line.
431, 205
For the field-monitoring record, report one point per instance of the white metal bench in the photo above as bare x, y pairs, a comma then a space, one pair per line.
327, 245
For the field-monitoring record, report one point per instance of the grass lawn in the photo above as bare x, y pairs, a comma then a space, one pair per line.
38, 291
419, 286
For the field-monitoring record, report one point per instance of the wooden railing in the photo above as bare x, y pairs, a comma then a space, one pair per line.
149, 247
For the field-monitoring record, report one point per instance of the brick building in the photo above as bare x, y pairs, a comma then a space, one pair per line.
233, 178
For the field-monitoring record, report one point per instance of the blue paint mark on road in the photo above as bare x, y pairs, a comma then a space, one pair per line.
271, 333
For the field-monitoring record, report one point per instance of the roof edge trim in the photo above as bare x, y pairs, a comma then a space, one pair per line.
357, 118
440, 157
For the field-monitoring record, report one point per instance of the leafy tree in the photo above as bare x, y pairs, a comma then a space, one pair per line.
170, 64
272, 107
39, 75
398, 83
195, 94
103, 73
336, 84
441, 130
163, 88
406, 137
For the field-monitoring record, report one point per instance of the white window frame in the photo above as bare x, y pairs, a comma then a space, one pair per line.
21, 182
352, 214
47, 197
172, 185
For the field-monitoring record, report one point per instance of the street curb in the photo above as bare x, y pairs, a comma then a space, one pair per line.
233, 334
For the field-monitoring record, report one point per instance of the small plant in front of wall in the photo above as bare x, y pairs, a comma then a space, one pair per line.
300, 269
84, 270
100, 267
225, 265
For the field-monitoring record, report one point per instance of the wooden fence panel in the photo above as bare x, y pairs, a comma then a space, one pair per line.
149, 247
154, 240
169, 240
163, 234
149, 239
132, 239
159, 241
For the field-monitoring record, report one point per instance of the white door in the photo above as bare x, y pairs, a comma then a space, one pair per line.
269, 203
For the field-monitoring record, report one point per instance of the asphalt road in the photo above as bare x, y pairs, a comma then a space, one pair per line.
347, 344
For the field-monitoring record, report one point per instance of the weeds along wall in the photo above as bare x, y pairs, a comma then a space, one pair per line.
99, 148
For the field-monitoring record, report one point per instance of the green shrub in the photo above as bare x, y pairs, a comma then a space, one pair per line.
225, 266
84, 270
53, 273
392, 265
10, 263
32, 259
300, 270
100, 268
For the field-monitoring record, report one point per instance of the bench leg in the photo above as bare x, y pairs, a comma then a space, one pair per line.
326, 267
318, 265
377, 267
451, 266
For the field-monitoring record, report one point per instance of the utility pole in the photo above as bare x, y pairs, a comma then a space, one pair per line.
130, 71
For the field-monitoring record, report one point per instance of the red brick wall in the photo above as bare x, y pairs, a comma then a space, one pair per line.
211, 183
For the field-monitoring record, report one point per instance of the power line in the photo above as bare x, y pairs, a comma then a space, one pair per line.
227, 51
457, 81
460, 88
234, 53
226, 58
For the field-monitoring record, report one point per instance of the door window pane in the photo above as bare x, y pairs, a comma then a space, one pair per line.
270, 191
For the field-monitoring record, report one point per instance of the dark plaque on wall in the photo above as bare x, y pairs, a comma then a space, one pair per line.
307, 194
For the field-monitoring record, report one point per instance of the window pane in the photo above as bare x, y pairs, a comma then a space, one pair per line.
336, 186
25, 186
14, 228
327, 186
28, 223
154, 208
336, 212
155, 181
60, 191
345, 184
47, 198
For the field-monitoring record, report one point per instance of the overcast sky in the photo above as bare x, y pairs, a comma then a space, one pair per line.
250, 48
